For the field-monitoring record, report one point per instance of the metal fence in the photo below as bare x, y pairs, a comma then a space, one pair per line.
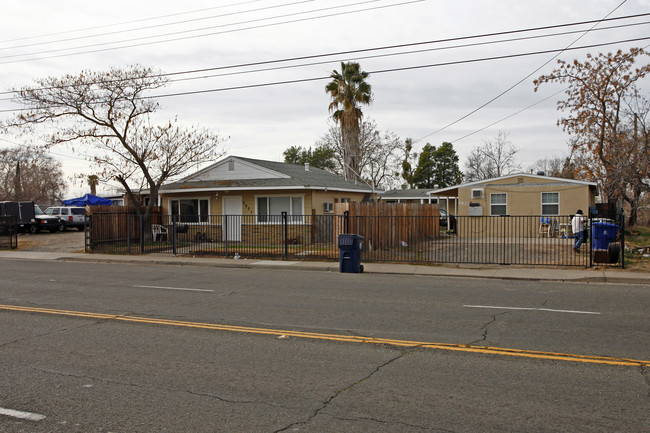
8, 232
514, 240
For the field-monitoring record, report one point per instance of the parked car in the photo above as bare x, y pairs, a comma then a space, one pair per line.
70, 216
44, 222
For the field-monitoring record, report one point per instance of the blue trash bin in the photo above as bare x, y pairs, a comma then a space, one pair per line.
350, 253
603, 234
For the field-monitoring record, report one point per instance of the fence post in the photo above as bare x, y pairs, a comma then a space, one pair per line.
346, 221
591, 237
141, 218
224, 231
623, 241
285, 251
128, 233
174, 233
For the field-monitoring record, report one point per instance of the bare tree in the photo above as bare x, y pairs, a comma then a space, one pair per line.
29, 174
555, 167
379, 154
494, 158
110, 111
606, 114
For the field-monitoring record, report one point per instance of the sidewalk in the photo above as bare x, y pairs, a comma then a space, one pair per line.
495, 272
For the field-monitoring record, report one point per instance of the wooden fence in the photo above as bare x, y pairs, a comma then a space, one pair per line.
410, 223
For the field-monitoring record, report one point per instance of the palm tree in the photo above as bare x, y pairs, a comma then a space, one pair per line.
348, 89
93, 181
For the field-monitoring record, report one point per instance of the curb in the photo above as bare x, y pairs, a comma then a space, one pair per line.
555, 275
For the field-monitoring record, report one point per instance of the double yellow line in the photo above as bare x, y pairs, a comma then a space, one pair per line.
341, 338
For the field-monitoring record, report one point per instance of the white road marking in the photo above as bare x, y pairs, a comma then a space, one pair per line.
175, 288
531, 309
21, 415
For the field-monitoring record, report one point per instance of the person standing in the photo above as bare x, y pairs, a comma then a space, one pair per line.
578, 226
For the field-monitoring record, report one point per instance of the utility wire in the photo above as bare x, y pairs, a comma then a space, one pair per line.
401, 53
381, 71
97, 35
204, 34
392, 47
523, 79
128, 22
406, 68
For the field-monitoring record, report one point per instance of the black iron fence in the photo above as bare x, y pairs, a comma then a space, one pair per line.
516, 240
8, 232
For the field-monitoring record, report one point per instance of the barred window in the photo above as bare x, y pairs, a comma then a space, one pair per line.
550, 203
499, 204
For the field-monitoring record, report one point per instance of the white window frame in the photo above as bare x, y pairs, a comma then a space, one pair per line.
480, 190
499, 204
294, 217
200, 217
550, 204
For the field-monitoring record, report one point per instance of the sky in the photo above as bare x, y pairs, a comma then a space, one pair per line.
424, 88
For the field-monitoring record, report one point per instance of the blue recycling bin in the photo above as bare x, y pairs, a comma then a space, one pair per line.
350, 253
603, 234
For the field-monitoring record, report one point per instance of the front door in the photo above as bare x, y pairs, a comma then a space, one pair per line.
232, 215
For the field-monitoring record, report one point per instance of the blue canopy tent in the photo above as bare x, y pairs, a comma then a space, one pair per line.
88, 200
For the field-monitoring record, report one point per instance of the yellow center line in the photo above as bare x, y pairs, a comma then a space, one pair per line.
342, 338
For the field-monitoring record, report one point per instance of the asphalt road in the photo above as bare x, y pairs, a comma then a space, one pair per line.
92, 347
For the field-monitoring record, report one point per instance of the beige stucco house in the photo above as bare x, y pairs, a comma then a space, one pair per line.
518, 194
257, 191
548, 202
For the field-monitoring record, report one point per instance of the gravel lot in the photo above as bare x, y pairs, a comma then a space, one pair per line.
70, 241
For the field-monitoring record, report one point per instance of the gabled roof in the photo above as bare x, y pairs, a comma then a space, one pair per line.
238, 173
543, 180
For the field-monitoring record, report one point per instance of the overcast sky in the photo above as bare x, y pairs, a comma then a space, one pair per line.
415, 94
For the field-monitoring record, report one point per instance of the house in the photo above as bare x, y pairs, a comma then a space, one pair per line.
420, 196
515, 194
258, 191
547, 201
518, 194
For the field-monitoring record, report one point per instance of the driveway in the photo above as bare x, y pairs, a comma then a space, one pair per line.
68, 242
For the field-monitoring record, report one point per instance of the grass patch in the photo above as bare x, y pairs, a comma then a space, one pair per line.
637, 248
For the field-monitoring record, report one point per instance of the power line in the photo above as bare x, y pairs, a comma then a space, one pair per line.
523, 79
356, 58
206, 34
381, 71
50, 42
392, 47
127, 22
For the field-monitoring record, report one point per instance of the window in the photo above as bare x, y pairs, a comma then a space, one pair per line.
269, 209
498, 204
190, 210
477, 193
550, 203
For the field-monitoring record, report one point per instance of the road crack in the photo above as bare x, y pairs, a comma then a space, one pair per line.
395, 423
486, 329
158, 388
333, 397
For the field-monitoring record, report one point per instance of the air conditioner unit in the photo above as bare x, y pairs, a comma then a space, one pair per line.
328, 207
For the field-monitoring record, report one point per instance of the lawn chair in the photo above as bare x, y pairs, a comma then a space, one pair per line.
159, 231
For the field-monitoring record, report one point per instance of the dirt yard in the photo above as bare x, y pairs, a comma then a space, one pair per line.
68, 242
